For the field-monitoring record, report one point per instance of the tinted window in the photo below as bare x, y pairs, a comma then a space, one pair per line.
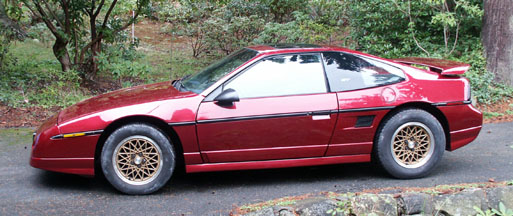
204, 79
281, 75
349, 72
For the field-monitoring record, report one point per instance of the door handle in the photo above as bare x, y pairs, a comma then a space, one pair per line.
320, 115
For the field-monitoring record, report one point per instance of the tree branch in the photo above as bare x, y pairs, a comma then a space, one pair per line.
53, 14
45, 19
108, 13
456, 39
99, 8
100, 36
413, 32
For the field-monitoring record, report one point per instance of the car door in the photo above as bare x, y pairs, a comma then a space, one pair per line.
285, 111
366, 90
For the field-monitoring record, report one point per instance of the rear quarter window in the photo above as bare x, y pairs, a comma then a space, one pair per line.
348, 72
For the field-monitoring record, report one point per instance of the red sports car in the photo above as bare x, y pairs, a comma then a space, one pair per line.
268, 106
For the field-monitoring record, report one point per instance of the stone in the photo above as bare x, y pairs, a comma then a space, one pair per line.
374, 204
283, 211
415, 203
316, 206
262, 212
500, 194
461, 203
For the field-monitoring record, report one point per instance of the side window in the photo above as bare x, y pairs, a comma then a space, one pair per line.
293, 74
349, 72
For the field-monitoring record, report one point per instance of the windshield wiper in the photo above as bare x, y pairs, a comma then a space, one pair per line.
178, 83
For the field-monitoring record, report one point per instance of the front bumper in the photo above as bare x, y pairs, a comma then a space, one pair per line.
79, 166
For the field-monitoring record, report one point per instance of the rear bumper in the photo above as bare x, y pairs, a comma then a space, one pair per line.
465, 123
463, 137
79, 166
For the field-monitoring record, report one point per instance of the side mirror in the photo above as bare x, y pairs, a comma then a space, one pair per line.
227, 97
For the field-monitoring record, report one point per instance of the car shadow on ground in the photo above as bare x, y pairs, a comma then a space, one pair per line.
224, 179
202, 182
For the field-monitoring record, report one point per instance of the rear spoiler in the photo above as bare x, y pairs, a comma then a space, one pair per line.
444, 67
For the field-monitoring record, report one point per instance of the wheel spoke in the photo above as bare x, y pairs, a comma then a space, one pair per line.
137, 159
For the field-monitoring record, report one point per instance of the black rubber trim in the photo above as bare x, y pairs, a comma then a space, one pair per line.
453, 103
366, 109
86, 133
181, 123
324, 112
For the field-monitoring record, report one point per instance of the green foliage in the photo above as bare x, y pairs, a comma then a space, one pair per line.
484, 87
393, 28
119, 61
40, 32
225, 26
502, 211
33, 78
344, 207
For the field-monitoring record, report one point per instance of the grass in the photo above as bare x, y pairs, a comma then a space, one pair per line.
35, 51
15, 136
172, 65
34, 78
492, 114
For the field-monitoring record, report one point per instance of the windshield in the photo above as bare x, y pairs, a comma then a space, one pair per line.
204, 79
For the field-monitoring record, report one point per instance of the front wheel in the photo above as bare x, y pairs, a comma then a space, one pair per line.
137, 159
410, 143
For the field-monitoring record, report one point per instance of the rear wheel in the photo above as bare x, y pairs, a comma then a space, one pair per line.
410, 143
137, 159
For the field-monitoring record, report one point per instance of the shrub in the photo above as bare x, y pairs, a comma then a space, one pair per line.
120, 61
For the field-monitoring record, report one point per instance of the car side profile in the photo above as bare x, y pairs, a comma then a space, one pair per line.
267, 106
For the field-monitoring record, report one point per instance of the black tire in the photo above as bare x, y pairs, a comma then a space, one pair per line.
159, 167
390, 154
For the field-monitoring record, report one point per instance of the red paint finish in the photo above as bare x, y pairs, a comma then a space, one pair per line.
79, 166
257, 133
269, 135
272, 164
464, 124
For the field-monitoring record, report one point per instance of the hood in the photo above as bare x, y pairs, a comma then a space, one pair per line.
441, 66
121, 98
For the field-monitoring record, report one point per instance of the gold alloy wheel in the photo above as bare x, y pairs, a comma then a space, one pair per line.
137, 160
412, 145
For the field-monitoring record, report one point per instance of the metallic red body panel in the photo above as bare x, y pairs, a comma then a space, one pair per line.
271, 138
271, 164
266, 138
274, 153
79, 166
349, 149
464, 124
76, 147
463, 137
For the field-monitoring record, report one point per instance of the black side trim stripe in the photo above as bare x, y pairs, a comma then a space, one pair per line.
323, 112
452, 103
366, 109
86, 133
255, 117
181, 123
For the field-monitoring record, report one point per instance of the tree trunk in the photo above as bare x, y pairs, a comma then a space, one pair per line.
60, 51
497, 35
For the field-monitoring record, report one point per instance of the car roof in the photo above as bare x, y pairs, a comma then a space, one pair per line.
287, 48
